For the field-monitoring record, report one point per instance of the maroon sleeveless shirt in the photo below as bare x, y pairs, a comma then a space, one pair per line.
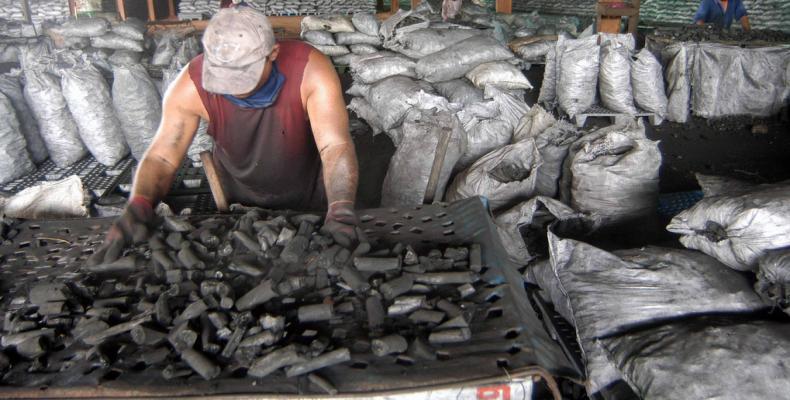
266, 157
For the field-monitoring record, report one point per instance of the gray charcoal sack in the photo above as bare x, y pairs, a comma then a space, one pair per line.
124, 57
729, 80
459, 91
374, 69
132, 28
407, 178
611, 293
116, 42
737, 227
330, 23
535, 52
553, 143
89, 101
499, 73
349, 38
504, 176
56, 125
138, 106
535, 121
11, 87
705, 359
578, 75
166, 47
189, 49
512, 107
84, 27
422, 42
614, 78
366, 23
358, 89
612, 175
362, 49
362, 108
319, 38
773, 279
527, 222
332, 51
14, 159
647, 82
678, 76
455, 61
390, 96
548, 89
482, 136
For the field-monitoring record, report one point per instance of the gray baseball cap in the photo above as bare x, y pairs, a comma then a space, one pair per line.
236, 44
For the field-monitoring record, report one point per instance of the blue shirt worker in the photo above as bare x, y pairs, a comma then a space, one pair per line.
722, 13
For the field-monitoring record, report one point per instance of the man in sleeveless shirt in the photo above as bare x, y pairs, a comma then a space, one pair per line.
279, 123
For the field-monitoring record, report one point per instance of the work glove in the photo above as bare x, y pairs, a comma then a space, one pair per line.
341, 223
133, 226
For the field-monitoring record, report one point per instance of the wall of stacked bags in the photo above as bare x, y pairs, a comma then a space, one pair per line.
192, 9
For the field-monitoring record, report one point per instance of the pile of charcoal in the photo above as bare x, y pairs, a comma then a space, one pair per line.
246, 296
710, 33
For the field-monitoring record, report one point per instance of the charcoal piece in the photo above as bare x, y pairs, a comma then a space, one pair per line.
189, 259
164, 260
396, 287
427, 316
466, 290
448, 336
325, 360
295, 249
265, 338
174, 240
285, 236
376, 264
274, 323
315, 312
147, 337
475, 258
52, 308
181, 337
32, 348
405, 305
418, 349
258, 295
175, 224
275, 360
322, 383
47, 292
171, 372
411, 257
246, 268
354, 280
456, 253
154, 356
375, 311
192, 311
213, 287
124, 327
455, 322
233, 342
446, 278
391, 344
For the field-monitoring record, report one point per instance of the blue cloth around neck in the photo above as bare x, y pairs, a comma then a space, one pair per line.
266, 95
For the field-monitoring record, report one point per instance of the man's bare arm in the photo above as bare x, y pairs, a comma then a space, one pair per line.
747, 26
181, 112
329, 121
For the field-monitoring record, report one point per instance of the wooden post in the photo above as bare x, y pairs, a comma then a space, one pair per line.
213, 181
171, 10
415, 3
504, 6
121, 6
72, 8
151, 11
394, 5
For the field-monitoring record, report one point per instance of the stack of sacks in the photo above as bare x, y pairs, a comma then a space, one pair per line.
575, 68
450, 69
101, 39
197, 9
14, 23
341, 37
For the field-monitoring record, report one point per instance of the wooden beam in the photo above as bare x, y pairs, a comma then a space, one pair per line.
394, 6
415, 3
171, 10
504, 6
121, 6
151, 11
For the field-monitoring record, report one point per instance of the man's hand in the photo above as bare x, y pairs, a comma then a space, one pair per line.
341, 223
133, 226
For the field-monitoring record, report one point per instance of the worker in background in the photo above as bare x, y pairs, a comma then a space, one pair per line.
279, 123
722, 13
450, 9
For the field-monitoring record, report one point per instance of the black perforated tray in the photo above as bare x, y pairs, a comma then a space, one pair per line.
97, 178
506, 333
